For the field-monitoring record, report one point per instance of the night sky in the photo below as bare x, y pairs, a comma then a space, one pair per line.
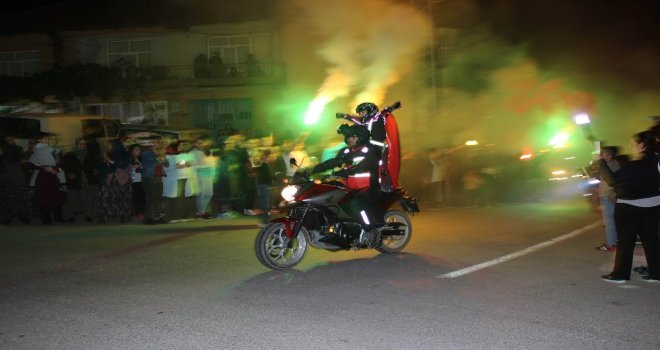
613, 41
619, 40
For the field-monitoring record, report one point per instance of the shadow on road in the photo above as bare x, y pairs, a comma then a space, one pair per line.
398, 271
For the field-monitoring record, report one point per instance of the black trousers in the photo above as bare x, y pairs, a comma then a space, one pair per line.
630, 222
366, 209
153, 197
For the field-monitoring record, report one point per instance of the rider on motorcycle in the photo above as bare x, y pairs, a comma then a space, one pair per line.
360, 165
385, 135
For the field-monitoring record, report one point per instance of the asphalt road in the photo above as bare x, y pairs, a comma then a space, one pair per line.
198, 285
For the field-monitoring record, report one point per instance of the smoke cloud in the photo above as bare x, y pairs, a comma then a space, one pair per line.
368, 45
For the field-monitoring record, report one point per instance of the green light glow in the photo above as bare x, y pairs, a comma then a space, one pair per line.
314, 110
559, 140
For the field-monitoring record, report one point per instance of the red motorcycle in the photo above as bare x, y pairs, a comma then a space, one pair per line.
317, 217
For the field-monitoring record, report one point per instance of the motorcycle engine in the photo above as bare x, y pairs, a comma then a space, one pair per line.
348, 231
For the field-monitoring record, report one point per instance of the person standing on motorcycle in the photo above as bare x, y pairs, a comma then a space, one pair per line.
359, 164
385, 135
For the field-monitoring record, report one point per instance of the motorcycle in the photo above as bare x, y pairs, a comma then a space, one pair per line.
316, 217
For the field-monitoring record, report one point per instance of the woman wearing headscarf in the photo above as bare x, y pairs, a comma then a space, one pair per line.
48, 180
116, 192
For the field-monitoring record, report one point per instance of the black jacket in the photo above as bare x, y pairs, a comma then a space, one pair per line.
355, 160
636, 179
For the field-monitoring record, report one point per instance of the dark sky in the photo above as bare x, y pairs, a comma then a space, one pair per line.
616, 40
613, 42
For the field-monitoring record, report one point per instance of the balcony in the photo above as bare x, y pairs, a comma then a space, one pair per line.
224, 75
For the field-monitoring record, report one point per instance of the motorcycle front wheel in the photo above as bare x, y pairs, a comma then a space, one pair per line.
275, 251
395, 244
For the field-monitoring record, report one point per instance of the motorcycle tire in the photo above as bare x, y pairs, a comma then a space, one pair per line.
395, 244
271, 251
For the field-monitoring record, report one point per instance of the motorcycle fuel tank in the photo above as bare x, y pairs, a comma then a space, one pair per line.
324, 195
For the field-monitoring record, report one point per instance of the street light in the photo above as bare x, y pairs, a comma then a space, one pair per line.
582, 119
584, 122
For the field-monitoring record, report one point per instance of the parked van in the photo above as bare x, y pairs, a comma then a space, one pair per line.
66, 127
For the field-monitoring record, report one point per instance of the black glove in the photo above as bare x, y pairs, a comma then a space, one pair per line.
389, 109
341, 173
340, 115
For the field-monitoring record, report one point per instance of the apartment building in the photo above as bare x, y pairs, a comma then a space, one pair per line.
209, 66
193, 72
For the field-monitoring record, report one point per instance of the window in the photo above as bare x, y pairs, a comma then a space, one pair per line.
136, 53
235, 49
20, 63
232, 49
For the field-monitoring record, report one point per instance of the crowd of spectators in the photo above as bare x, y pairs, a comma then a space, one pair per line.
149, 179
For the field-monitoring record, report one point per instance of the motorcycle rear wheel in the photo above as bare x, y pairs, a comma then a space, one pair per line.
395, 244
274, 253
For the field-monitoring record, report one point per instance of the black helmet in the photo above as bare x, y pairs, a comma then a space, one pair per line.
369, 107
360, 131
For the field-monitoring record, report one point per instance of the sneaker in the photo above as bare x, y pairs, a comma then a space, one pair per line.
613, 279
606, 248
649, 278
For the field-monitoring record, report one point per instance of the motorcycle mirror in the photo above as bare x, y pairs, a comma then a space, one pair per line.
293, 161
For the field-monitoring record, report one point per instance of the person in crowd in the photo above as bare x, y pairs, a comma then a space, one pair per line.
264, 185
179, 183
91, 179
44, 154
72, 164
116, 190
137, 189
236, 165
438, 160
637, 208
295, 148
152, 173
608, 198
48, 180
224, 133
14, 189
206, 164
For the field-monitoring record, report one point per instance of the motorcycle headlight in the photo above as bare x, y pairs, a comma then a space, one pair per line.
289, 192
